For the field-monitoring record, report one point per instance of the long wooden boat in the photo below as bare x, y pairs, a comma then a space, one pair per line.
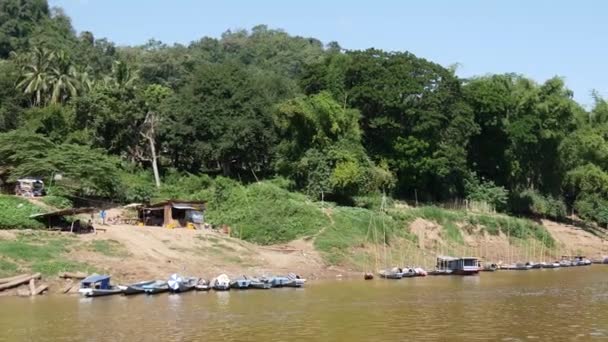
135, 288
157, 287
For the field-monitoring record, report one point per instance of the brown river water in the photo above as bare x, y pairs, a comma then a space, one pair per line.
544, 305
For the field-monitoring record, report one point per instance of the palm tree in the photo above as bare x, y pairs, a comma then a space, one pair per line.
122, 76
36, 74
64, 79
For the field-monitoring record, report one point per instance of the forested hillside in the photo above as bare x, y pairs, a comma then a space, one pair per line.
334, 124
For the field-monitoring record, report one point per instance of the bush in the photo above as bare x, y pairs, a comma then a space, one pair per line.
486, 192
592, 208
15, 213
531, 202
262, 212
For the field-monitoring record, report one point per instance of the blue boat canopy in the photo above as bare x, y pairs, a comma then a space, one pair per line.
103, 280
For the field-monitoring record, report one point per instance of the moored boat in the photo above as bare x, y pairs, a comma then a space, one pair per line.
220, 283
295, 280
135, 288
390, 274
262, 284
240, 283
177, 284
98, 285
202, 285
158, 286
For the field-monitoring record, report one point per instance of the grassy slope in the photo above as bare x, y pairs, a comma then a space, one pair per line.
265, 213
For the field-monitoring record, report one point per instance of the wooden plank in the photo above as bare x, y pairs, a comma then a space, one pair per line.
18, 282
32, 286
8, 280
73, 275
40, 289
67, 287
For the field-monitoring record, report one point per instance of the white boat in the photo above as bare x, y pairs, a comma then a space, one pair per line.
220, 283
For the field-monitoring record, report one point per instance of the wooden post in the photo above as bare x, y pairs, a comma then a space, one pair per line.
168, 215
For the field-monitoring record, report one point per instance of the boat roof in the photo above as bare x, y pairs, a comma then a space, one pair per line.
95, 278
450, 258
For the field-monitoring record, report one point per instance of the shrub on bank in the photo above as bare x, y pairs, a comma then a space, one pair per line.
15, 213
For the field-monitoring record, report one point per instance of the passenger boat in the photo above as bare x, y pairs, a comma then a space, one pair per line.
135, 288
98, 285
202, 285
177, 284
240, 283
158, 286
458, 266
220, 283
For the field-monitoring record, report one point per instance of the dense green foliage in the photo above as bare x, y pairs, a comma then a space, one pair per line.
15, 212
339, 125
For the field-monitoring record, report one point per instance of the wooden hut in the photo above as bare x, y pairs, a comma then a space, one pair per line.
173, 213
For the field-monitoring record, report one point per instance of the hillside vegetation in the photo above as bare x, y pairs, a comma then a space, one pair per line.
289, 137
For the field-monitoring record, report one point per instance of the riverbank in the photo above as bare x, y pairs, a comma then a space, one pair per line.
133, 253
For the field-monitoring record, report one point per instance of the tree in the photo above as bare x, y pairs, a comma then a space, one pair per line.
221, 117
64, 79
36, 74
321, 148
412, 115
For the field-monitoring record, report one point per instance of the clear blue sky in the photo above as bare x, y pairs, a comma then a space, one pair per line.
539, 38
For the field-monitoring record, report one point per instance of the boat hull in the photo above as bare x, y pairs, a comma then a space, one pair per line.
100, 293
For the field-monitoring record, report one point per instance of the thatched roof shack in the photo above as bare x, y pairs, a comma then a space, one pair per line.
172, 213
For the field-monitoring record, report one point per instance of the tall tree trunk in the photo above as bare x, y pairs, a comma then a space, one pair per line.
154, 164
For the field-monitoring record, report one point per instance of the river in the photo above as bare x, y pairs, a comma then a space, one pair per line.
558, 305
